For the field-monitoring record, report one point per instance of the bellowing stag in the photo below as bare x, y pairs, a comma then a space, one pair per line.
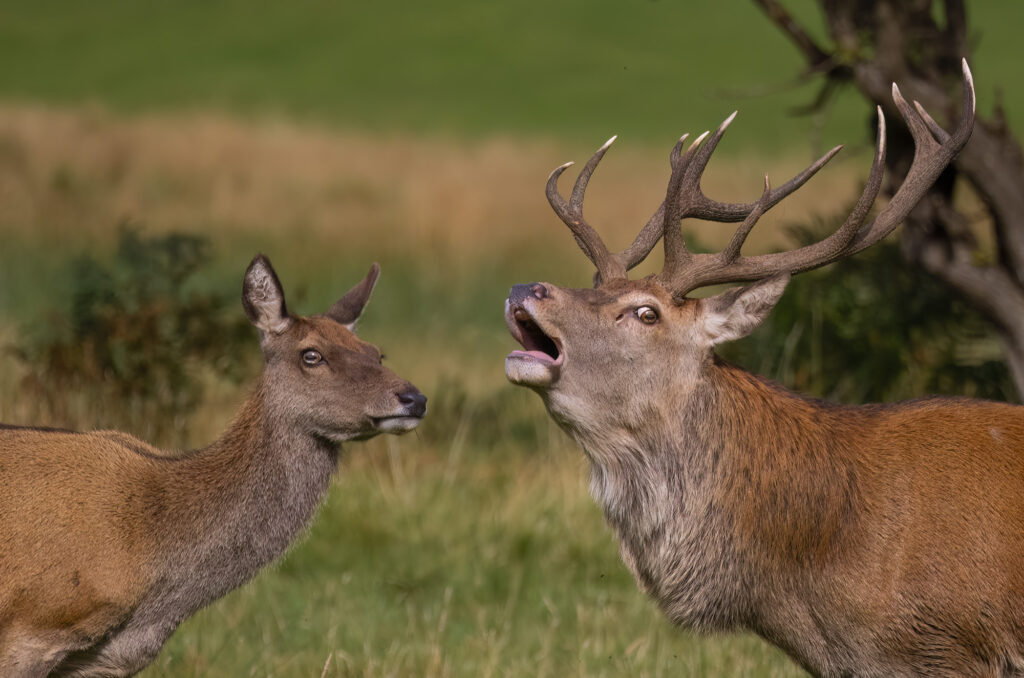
880, 540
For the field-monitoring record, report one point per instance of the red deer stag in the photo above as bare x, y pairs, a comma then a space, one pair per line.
883, 540
107, 543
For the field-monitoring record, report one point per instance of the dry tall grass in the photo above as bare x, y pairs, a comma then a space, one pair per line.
80, 172
433, 556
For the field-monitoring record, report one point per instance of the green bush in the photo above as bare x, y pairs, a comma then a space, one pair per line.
131, 346
874, 327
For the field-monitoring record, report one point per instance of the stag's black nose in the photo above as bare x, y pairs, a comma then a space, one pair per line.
415, 402
520, 292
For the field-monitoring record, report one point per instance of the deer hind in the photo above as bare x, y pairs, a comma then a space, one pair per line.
870, 541
107, 544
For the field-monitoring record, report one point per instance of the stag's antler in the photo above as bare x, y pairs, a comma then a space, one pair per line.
685, 271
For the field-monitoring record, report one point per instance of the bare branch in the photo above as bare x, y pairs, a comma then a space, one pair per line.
778, 14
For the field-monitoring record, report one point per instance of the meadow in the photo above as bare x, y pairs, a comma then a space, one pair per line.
331, 135
469, 548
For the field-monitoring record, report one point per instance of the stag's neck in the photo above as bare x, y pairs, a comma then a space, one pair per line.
789, 472
232, 507
736, 478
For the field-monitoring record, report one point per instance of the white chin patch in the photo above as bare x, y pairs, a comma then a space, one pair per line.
397, 424
526, 370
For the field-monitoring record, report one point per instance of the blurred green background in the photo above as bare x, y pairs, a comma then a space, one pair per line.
579, 70
149, 149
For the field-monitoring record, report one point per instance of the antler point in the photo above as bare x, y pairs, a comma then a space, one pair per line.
556, 173
969, 83
727, 121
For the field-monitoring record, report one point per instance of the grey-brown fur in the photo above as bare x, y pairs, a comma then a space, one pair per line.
873, 541
107, 543
277, 478
883, 540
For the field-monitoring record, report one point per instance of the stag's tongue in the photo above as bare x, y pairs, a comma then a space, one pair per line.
534, 355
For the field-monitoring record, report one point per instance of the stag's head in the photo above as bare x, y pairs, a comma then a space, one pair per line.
626, 345
319, 376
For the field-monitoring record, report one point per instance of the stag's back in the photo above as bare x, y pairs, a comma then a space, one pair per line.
953, 472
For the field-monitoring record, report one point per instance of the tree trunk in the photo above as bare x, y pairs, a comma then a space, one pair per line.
878, 42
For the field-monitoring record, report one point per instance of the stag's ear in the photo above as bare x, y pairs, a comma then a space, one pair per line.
348, 309
735, 313
263, 297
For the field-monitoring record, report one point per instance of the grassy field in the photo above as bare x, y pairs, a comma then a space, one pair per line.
329, 135
431, 565
470, 548
582, 69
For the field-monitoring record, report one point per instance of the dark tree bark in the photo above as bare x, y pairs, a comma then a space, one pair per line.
919, 44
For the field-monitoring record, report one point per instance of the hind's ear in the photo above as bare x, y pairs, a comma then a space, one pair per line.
263, 298
348, 309
735, 313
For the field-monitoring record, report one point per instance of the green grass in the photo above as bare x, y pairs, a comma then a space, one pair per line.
581, 69
472, 547
427, 565
469, 548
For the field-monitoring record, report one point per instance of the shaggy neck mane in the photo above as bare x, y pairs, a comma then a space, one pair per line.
738, 478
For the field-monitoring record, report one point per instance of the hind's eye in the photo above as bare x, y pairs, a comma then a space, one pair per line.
312, 358
647, 315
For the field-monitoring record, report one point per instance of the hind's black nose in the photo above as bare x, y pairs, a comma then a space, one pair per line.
520, 292
415, 402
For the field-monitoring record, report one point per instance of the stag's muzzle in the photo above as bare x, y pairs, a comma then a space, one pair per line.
540, 361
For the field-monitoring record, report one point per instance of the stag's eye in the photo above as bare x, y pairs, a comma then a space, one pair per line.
311, 358
647, 315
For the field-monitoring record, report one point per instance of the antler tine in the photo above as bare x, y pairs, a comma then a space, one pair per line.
713, 210
579, 189
933, 127
686, 199
684, 195
933, 152
966, 113
681, 185
732, 251
571, 214
931, 156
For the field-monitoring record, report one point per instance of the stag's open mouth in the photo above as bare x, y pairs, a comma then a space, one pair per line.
538, 364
